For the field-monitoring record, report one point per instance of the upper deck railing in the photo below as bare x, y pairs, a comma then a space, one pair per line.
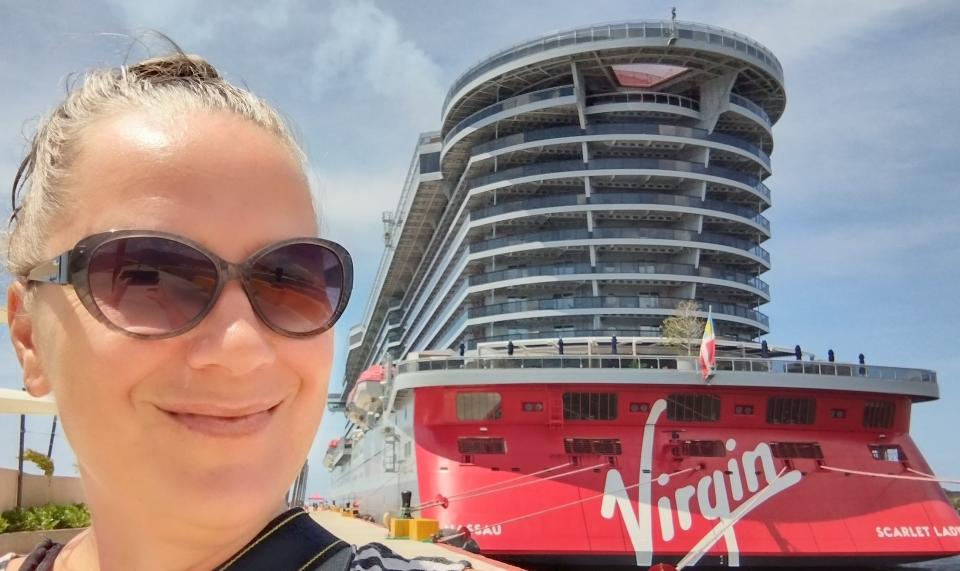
669, 363
620, 31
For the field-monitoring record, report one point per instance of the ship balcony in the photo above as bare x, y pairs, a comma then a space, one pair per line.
650, 201
668, 272
611, 304
751, 110
624, 236
566, 333
603, 132
671, 169
649, 104
552, 97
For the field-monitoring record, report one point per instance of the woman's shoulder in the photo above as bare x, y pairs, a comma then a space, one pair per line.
371, 555
44, 553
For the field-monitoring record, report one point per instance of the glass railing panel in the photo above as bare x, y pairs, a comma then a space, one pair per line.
644, 97
621, 129
619, 198
526, 170
746, 103
617, 267
687, 235
611, 302
517, 205
549, 236
679, 200
651, 233
511, 103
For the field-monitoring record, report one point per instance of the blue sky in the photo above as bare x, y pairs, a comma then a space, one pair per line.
866, 216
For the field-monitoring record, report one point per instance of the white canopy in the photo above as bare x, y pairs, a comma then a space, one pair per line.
13, 401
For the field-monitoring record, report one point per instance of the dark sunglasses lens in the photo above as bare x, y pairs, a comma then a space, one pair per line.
151, 285
297, 287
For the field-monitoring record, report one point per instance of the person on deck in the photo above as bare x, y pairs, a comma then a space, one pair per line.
173, 293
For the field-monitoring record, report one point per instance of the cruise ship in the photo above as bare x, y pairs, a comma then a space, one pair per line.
512, 371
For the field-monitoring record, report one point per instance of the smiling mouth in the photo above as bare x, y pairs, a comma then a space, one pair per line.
224, 426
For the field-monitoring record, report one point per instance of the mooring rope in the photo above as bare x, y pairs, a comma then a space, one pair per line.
566, 505
711, 539
494, 485
931, 476
505, 488
923, 478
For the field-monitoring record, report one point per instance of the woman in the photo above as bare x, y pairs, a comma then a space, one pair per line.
172, 294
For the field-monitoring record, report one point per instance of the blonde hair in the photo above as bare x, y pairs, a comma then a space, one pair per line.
177, 82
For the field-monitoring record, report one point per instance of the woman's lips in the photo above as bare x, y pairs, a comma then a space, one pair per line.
223, 425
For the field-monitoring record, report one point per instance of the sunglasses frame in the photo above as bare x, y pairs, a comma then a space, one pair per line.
72, 267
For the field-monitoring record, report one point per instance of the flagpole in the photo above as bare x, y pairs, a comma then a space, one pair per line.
708, 344
713, 365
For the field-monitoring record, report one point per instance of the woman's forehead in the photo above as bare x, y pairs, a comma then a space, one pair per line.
212, 177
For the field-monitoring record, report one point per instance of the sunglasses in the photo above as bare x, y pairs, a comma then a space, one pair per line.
154, 285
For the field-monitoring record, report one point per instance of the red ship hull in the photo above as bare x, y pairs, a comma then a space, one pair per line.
643, 488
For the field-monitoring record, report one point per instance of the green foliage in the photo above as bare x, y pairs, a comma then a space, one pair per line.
45, 517
684, 329
40, 460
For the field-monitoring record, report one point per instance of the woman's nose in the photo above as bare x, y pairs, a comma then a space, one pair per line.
231, 336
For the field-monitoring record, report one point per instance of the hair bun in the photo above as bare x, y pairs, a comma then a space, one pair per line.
175, 67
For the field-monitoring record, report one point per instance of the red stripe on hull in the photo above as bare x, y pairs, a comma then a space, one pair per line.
758, 505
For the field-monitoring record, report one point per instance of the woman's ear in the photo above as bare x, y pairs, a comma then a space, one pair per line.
21, 335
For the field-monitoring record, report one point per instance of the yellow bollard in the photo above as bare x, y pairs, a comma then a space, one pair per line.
422, 529
400, 528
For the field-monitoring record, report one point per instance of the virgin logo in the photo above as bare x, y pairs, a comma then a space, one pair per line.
713, 496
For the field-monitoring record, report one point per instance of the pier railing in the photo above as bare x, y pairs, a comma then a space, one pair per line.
669, 363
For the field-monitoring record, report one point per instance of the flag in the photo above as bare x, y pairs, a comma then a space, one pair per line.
708, 348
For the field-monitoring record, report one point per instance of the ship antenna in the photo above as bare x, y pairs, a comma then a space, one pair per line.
673, 13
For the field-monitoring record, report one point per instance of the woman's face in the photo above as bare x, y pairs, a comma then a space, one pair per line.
232, 187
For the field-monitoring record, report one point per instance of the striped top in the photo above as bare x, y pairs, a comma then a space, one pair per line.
350, 558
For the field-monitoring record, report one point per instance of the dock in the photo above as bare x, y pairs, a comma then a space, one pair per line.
360, 532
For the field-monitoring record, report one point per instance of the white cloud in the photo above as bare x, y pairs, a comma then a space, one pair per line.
866, 247
351, 202
362, 47
794, 29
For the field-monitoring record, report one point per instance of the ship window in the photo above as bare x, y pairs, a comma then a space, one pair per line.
606, 446
838, 413
429, 162
702, 448
478, 406
878, 414
482, 446
797, 450
743, 409
589, 406
693, 408
789, 410
887, 452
